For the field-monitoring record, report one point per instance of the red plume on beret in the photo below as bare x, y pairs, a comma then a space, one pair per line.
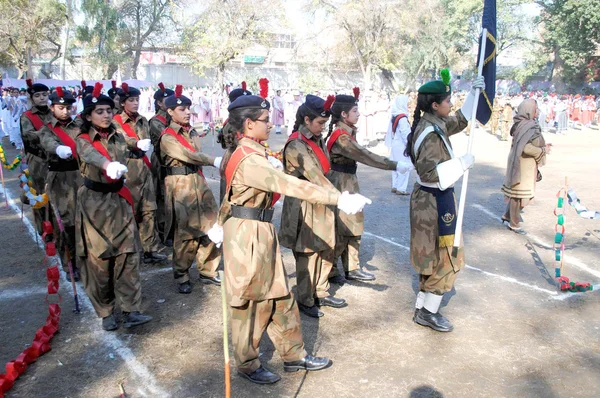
29, 83
125, 87
244, 86
97, 90
83, 84
113, 83
161, 86
329, 102
264, 87
178, 90
60, 92
356, 92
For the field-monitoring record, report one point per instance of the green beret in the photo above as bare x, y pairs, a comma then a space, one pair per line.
435, 87
438, 87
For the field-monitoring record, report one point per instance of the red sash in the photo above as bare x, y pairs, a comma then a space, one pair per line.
323, 159
65, 138
396, 121
129, 131
232, 165
336, 134
182, 141
162, 119
35, 119
124, 192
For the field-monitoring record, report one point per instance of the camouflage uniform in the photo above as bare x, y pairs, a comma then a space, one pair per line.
156, 128
256, 283
37, 161
308, 229
140, 182
507, 115
191, 209
495, 117
108, 241
435, 265
63, 181
349, 228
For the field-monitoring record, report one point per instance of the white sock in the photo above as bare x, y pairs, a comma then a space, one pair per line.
432, 302
420, 300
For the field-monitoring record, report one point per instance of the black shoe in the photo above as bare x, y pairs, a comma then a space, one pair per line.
207, 280
261, 376
330, 301
307, 363
415, 315
154, 257
313, 311
185, 287
435, 321
109, 323
134, 319
338, 279
360, 275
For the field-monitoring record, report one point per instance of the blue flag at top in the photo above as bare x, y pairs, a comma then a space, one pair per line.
486, 99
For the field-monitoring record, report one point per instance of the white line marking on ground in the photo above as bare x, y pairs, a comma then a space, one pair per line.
18, 293
569, 258
110, 340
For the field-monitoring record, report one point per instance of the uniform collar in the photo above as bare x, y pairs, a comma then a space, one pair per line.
347, 128
95, 134
127, 118
250, 143
438, 121
305, 132
54, 121
36, 110
179, 129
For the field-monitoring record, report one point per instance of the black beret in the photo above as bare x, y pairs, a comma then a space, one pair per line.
238, 92
90, 101
173, 101
316, 105
61, 97
160, 94
37, 88
346, 99
127, 92
249, 102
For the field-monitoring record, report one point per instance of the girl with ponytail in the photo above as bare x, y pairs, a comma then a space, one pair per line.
433, 204
345, 153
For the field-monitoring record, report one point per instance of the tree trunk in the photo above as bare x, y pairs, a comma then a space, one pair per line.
112, 68
558, 69
65, 41
29, 71
367, 75
221, 75
135, 63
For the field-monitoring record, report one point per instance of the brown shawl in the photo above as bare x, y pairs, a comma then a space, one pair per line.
524, 130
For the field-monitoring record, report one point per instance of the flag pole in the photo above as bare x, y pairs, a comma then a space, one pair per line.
463, 190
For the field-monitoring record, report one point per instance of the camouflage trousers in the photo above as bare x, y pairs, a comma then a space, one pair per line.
443, 276
505, 131
68, 240
203, 250
146, 221
113, 278
346, 247
494, 125
279, 317
38, 170
312, 273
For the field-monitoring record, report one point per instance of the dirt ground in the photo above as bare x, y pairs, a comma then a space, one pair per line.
515, 334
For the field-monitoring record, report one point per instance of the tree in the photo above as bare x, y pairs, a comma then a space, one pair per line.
30, 28
120, 31
571, 35
224, 30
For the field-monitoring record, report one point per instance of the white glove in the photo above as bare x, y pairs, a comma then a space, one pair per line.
115, 170
217, 162
352, 203
467, 161
403, 168
275, 162
478, 82
215, 234
144, 144
64, 152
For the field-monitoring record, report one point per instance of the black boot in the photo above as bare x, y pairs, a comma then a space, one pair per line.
436, 321
134, 319
330, 301
154, 257
307, 363
261, 376
207, 280
360, 275
313, 311
109, 323
185, 287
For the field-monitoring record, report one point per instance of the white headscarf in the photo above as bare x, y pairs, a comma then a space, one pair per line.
399, 106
